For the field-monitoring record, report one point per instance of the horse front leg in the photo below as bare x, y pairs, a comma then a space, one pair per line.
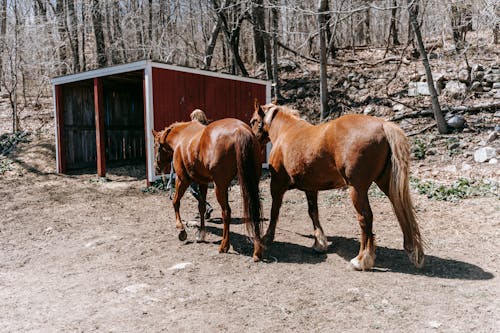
366, 257
222, 198
277, 191
320, 242
202, 207
180, 189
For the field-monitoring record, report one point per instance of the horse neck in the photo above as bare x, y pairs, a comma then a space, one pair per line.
181, 132
284, 121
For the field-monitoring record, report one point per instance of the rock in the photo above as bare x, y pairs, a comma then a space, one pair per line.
466, 167
415, 77
301, 92
476, 86
492, 78
362, 81
497, 95
456, 121
351, 76
370, 109
496, 85
493, 161
484, 154
455, 89
486, 89
463, 75
477, 67
478, 76
492, 136
398, 107
181, 265
418, 88
287, 65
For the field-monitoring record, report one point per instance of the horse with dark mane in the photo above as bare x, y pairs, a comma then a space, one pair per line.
353, 151
214, 153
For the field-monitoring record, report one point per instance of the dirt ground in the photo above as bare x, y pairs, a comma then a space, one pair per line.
82, 254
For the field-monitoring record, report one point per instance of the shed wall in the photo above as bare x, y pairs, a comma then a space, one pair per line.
176, 94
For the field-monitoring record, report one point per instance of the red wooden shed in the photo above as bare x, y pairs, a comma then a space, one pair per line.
106, 116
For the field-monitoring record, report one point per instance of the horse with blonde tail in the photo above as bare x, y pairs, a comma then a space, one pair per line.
214, 153
353, 151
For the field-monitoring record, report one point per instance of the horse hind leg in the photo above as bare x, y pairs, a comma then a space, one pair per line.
406, 218
200, 234
366, 256
222, 198
320, 242
180, 189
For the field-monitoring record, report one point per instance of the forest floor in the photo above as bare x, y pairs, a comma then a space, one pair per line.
79, 253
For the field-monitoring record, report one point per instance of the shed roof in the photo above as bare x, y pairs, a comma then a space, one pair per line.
140, 65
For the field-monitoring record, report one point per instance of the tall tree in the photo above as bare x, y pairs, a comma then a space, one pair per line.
436, 108
322, 7
258, 20
99, 34
274, 32
3, 30
73, 33
209, 51
393, 29
61, 29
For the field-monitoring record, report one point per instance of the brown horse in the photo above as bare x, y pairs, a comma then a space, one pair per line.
214, 153
354, 151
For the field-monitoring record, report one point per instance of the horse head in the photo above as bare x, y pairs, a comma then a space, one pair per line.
162, 150
261, 120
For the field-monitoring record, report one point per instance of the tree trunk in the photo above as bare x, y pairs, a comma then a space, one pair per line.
121, 55
496, 33
209, 51
436, 108
322, 7
393, 29
99, 34
368, 39
3, 30
258, 19
73, 33
274, 32
61, 29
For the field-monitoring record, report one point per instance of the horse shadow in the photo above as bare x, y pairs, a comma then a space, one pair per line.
388, 259
396, 261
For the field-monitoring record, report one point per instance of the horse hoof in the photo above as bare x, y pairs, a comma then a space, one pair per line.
355, 264
256, 258
417, 258
200, 236
267, 240
318, 248
183, 235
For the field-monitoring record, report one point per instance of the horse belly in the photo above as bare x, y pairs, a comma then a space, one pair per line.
317, 178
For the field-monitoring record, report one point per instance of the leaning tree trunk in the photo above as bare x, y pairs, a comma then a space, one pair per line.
322, 7
209, 51
258, 21
436, 109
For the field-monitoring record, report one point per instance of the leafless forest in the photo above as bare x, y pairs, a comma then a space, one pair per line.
41, 39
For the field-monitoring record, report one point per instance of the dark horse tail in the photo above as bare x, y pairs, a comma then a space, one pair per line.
249, 166
399, 193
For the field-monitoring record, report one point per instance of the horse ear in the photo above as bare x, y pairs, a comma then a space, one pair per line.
270, 114
164, 133
261, 112
155, 133
256, 105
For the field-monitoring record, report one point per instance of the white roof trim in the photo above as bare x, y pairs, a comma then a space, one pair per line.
118, 69
209, 73
141, 65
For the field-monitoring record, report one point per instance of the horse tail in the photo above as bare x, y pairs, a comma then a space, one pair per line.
399, 193
249, 166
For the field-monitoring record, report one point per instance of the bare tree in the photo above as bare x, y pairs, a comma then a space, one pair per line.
99, 34
3, 30
322, 7
436, 108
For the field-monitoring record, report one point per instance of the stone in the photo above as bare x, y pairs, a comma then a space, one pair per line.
497, 94
287, 65
492, 78
456, 121
496, 85
493, 161
476, 86
418, 88
370, 109
478, 76
455, 89
492, 136
301, 92
362, 81
484, 154
351, 76
466, 167
477, 67
463, 75
398, 107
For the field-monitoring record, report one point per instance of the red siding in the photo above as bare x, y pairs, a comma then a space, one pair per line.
176, 94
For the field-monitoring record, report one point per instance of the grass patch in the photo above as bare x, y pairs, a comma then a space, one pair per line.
461, 189
5, 165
